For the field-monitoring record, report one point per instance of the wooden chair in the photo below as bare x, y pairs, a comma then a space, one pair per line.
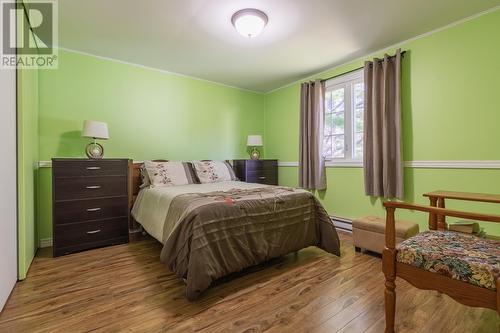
463, 292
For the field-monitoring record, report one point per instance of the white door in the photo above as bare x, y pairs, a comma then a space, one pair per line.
8, 191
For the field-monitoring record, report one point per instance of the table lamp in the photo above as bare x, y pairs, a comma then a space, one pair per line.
254, 141
95, 130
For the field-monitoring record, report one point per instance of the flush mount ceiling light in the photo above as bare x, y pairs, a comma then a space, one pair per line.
249, 22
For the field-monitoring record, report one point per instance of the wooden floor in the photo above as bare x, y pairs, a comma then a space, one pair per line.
126, 289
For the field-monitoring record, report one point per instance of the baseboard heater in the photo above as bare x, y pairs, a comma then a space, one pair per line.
342, 223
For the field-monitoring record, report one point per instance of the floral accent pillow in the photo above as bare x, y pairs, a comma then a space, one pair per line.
169, 173
214, 171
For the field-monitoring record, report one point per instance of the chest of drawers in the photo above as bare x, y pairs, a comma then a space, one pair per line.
89, 204
257, 171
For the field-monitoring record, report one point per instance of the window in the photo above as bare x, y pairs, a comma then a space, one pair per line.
343, 128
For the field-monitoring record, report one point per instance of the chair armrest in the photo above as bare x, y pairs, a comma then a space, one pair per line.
391, 206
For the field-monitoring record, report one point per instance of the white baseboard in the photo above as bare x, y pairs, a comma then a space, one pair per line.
339, 222
45, 242
342, 223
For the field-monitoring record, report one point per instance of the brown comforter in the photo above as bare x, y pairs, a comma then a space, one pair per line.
219, 233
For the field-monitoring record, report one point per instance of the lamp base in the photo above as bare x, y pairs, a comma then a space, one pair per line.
254, 154
94, 151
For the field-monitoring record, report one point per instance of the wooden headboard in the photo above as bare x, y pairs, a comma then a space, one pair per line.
134, 180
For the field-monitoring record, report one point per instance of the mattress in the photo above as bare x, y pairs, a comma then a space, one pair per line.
152, 204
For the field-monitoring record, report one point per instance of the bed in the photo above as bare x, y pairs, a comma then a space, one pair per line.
211, 230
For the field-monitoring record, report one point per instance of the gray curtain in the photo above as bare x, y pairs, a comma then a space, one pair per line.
382, 155
311, 161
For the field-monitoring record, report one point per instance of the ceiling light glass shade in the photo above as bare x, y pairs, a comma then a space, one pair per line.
249, 22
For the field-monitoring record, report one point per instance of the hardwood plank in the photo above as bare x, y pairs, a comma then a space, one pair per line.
126, 288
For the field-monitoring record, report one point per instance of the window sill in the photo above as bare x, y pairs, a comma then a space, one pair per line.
329, 164
343, 164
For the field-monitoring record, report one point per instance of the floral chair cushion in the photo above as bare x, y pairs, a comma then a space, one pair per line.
463, 257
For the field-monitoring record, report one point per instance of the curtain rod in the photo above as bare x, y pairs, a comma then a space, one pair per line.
355, 69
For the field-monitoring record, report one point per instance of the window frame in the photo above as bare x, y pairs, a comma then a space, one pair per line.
346, 81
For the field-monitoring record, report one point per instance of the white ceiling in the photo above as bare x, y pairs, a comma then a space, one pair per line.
196, 38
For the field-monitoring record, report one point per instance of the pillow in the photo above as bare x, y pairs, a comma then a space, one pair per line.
213, 171
145, 178
169, 173
146, 182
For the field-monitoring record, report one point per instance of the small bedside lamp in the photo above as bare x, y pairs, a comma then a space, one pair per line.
254, 141
95, 130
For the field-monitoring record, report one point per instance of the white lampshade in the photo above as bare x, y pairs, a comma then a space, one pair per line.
254, 140
95, 129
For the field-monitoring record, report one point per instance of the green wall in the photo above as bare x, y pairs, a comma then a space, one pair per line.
450, 112
450, 102
27, 118
27, 174
150, 114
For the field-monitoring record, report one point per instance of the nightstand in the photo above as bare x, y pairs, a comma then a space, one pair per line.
89, 203
257, 171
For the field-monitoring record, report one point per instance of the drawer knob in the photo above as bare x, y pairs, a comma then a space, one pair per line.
262, 177
93, 209
93, 231
93, 168
92, 187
